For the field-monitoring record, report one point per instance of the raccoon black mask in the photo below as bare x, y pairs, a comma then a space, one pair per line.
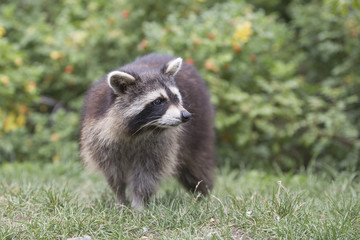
155, 97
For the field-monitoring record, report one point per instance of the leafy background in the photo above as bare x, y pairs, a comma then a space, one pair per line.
284, 76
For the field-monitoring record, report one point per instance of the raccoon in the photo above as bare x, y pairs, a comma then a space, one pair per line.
146, 120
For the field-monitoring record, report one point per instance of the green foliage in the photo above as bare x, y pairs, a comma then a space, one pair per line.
268, 110
328, 34
278, 7
50, 55
286, 93
249, 66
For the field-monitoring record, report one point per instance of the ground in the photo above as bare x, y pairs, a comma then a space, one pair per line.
62, 201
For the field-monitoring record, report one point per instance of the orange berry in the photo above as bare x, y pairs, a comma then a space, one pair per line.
54, 137
189, 61
143, 44
196, 41
31, 87
111, 21
237, 47
23, 109
253, 58
69, 69
211, 36
125, 14
210, 65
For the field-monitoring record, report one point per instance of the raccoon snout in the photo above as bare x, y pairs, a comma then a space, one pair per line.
185, 116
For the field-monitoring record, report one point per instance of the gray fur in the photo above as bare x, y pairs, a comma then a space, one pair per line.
140, 159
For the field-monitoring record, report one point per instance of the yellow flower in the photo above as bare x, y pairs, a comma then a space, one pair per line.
54, 137
2, 31
56, 55
49, 39
21, 120
5, 80
14, 121
19, 62
56, 158
9, 123
348, 79
78, 37
243, 32
31, 87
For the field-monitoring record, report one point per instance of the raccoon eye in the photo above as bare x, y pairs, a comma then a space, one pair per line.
176, 98
158, 101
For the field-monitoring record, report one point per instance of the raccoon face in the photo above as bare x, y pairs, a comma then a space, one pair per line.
149, 99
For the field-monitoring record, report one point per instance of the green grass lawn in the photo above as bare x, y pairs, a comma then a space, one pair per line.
60, 201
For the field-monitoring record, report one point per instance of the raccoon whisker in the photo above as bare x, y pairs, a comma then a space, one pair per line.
156, 118
144, 126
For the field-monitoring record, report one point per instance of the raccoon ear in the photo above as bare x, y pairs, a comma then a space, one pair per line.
173, 67
119, 81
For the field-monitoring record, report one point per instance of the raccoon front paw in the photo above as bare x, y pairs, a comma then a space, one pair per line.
137, 204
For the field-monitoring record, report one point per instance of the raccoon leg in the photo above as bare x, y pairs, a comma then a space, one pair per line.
116, 180
118, 186
196, 180
142, 185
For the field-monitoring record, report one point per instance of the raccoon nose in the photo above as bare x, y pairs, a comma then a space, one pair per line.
185, 116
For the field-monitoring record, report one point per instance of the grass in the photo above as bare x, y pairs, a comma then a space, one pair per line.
61, 201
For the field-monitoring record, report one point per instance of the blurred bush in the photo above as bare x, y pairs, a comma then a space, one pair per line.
328, 34
50, 54
286, 92
270, 109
